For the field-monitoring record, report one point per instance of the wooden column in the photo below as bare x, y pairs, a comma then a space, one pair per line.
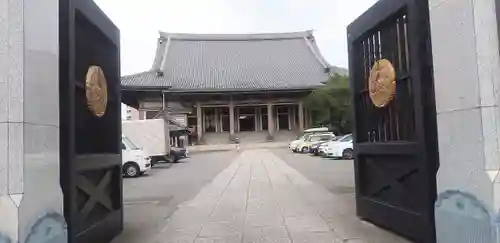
221, 127
309, 118
277, 122
301, 116
199, 122
237, 119
270, 120
216, 119
231, 118
305, 118
142, 115
256, 121
289, 109
260, 119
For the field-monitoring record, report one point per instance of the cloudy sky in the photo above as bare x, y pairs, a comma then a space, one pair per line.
140, 20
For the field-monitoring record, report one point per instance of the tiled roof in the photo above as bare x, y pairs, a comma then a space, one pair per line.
205, 62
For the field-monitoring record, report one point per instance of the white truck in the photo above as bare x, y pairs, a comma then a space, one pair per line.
153, 136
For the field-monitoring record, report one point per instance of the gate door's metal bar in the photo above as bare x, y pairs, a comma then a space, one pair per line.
91, 175
395, 145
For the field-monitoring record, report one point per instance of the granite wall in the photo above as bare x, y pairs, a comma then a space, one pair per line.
467, 81
31, 201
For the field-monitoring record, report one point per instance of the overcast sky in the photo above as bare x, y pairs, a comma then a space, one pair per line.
140, 20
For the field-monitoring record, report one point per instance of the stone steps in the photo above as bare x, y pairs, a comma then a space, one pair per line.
247, 137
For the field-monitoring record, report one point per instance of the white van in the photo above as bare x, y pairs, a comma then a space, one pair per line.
134, 159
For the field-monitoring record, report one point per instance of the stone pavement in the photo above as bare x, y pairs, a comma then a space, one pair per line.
259, 198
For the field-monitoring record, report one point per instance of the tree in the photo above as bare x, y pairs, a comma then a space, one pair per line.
330, 105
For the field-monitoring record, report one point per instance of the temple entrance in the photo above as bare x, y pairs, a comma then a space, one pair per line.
225, 119
246, 119
210, 119
90, 118
283, 117
263, 119
395, 135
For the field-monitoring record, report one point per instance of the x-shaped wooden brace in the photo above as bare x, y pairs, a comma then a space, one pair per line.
97, 194
390, 180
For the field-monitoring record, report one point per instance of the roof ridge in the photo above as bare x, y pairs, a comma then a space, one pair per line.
313, 47
248, 36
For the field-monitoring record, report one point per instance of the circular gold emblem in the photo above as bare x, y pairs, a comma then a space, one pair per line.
382, 83
96, 91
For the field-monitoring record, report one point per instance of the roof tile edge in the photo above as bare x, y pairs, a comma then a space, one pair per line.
251, 36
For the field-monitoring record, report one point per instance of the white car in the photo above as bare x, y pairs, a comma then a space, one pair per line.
295, 143
341, 148
306, 146
304, 142
134, 159
322, 148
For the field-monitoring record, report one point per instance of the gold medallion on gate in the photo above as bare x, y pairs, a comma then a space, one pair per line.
96, 91
382, 83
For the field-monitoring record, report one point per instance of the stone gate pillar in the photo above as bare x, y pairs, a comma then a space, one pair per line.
467, 80
31, 199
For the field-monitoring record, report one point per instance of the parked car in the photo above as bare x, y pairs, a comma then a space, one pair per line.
323, 146
135, 161
293, 145
178, 153
342, 148
316, 130
315, 147
313, 139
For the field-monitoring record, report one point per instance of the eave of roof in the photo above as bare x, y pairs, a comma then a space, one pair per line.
235, 37
243, 90
209, 91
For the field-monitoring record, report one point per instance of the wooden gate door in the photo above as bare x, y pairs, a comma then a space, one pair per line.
90, 118
396, 160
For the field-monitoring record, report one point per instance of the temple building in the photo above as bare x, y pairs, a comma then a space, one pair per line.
231, 85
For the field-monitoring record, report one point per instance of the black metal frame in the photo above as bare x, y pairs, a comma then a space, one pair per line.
396, 152
90, 151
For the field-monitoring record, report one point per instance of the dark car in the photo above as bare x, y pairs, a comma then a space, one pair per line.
175, 155
178, 153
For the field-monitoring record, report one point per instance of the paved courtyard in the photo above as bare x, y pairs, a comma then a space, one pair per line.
261, 198
151, 199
